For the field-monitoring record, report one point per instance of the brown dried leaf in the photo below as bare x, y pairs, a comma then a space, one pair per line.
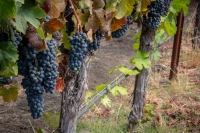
93, 23
46, 6
53, 25
98, 4
106, 25
58, 6
117, 23
34, 39
89, 35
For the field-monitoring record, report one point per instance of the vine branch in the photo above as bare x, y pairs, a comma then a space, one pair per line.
77, 18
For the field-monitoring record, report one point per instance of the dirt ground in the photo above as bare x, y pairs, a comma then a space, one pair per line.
15, 116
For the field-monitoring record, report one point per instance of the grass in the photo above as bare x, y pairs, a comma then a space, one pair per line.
177, 103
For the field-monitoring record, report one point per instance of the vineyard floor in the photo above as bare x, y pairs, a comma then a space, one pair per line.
177, 104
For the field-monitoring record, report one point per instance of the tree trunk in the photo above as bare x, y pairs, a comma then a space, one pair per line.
72, 97
196, 40
146, 44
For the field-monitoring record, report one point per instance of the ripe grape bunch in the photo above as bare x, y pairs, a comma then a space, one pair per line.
157, 9
68, 17
40, 73
95, 44
120, 32
79, 49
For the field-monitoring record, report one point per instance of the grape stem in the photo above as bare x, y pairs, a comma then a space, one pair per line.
77, 18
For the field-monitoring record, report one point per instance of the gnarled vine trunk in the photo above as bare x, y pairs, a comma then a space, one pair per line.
196, 40
72, 97
146, 44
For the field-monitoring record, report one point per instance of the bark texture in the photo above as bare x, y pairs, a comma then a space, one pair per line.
146, 44
72, 97
196, 40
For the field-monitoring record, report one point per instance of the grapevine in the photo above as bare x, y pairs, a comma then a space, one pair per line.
31, 49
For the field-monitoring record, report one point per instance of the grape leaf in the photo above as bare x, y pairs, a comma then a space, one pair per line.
29, 12
40, 1
47, 6
11, 70
125, 7
100, 87
170, 28
156, 55
93, 23
82, 16
40, 33
127, 71
60, 85
106, 101
41, 131
58, 6
106, 26
117, 23
115, 69
84, 4
7, 9
141, 60
35, 40
8, 54
10, 94
53, 25
98, 4
121, 90
52, 119
88, 95
21, 1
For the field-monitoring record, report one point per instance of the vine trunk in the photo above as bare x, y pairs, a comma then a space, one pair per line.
72, 97
146, 44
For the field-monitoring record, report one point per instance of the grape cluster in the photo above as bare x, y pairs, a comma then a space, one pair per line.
79, 49
120, 32
68, 16
129, 19
157, 8
47, 18
40, 73
95, 44
17, 40
47, 59
3, 36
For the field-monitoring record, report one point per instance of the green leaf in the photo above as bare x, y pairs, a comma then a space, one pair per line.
88, 95
52, 119
21, 1
121, 90
100, 87
141, 60
9, 94
29, 12
84, 4
8, 55
170, 28
7, 9
127, 71
125, 7
156, 55
41, 131
106, 101
11, 70
40, 32
115, 69
40, 1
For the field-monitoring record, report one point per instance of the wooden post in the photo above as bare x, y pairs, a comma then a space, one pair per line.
176, 46
196, 40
